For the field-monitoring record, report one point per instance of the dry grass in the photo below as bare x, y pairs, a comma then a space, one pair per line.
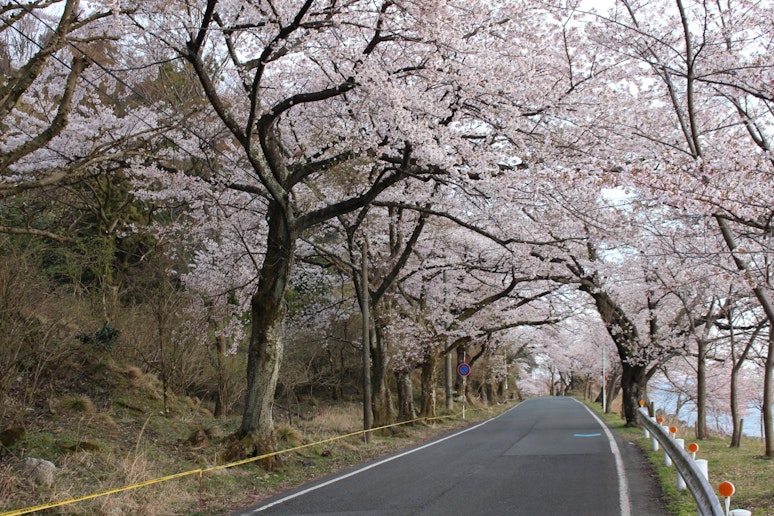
107, 420
8, 481
133, 373
84, 473
79, 404
147, 383
136, 468
340, 419
288, 437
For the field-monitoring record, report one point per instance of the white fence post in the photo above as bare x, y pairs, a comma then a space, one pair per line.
703, 466
667, 458
647, 432
680, 482
653, 439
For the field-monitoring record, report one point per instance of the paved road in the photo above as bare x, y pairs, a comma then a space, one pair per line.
546, 456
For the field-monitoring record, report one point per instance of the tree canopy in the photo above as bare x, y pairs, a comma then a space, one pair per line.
483, 182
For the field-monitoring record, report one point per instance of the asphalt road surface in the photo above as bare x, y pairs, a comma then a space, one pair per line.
546, 456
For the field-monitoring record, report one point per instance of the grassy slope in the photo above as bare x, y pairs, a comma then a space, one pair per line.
129, 439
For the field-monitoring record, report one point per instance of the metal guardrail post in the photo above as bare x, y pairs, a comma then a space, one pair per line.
707, 502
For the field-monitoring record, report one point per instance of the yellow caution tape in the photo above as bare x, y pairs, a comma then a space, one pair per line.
200, 471
106, 492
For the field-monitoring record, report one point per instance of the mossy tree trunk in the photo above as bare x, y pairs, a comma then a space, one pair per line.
406, 410
267, 337
383, 406
428, 384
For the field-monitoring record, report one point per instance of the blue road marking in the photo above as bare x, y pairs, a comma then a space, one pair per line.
587, 435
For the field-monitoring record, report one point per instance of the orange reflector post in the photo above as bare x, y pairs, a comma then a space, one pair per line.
726, 489
693, 447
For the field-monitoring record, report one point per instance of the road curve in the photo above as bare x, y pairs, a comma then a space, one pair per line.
546, 456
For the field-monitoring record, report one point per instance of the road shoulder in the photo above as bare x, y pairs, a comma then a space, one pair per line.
645, 493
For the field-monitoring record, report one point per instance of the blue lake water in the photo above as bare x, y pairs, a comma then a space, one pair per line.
716, 422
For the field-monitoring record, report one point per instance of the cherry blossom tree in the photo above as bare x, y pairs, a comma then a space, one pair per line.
433, 292
326, 107
620, 251
62, 108
696, 82
466, 297
689, 269
72, 120
743, 335
381, 241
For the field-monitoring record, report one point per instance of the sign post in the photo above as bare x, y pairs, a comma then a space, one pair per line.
463, 369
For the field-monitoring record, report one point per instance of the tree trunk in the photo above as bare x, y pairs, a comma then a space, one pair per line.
219, 349
267, 337
612, 390
428, 385
383, 409
448, 380
736, 432
738, 362
768, 396
489, 389
624, 333
462, 356
365, 312
406, 411
562, 385
587, 388
633, 385
701, 391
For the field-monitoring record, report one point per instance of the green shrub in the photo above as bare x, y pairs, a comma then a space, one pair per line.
105, 337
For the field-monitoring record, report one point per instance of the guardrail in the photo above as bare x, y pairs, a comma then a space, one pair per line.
707, 502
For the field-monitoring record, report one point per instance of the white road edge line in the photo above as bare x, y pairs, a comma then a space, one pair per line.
623, 485
370, 466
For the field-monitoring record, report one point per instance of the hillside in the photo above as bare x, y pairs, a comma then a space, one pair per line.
103, 427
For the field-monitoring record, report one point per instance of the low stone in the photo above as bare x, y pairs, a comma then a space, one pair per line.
41, 470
